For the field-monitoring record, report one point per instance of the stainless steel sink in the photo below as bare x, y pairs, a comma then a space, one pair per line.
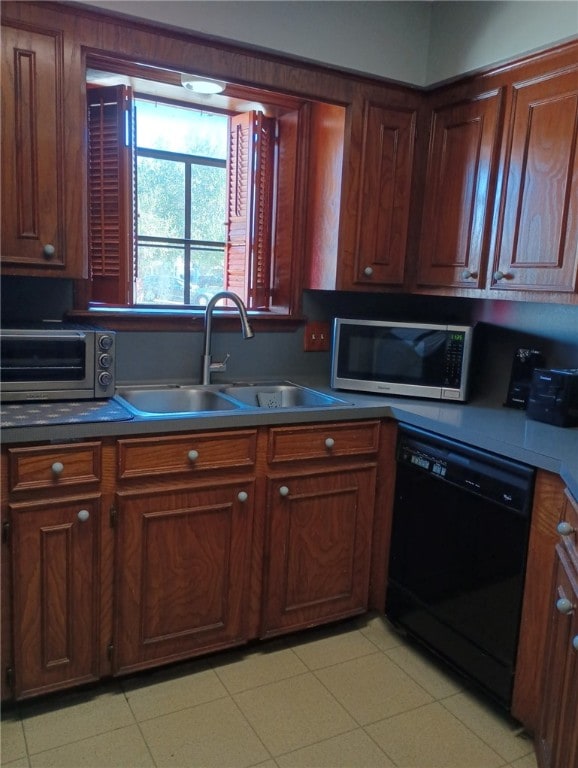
175, 400
284, 395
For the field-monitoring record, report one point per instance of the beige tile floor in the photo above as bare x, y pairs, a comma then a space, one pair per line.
351, 696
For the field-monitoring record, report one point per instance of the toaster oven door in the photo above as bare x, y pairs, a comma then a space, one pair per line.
59, 363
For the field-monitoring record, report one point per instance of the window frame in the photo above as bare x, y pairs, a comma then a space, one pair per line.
286, 263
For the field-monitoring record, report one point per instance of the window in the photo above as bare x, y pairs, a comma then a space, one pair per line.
185, 201
180, 204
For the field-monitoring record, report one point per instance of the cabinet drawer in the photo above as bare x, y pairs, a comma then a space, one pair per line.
193, 453
568, 528
54, 466
323, 441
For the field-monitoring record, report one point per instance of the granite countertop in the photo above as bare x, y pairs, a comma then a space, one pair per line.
483, 423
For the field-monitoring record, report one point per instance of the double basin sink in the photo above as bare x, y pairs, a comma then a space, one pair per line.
190, 400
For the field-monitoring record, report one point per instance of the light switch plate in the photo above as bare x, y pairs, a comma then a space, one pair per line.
316, 337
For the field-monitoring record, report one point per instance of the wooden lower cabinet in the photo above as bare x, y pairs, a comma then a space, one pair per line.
55, 578
51, 567
126, 554
547, 512
318, 547
557, 737
321, 486
182, 572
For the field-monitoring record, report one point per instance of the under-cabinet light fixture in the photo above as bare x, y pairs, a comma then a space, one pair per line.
202, 84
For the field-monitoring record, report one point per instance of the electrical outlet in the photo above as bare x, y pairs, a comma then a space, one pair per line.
316, 337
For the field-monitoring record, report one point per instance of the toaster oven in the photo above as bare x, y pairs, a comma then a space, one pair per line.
57, 363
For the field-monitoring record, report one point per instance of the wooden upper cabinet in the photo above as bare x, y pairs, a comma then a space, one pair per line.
359, 195
457, 212
384, 199
43, 210
537, 239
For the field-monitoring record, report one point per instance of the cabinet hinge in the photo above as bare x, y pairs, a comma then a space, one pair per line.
5, 533
113, 515
10, 677
109, 651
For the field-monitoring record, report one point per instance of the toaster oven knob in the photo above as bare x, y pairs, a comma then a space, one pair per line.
105, 379
105, 361
105, 342
48, 251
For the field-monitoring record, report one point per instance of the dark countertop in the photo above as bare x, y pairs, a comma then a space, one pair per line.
484, 424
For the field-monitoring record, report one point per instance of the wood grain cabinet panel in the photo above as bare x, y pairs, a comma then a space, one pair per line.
54, 467
182, 572
55, 581
192, 454
459, 185
360, 194
547, 511
557, 741
385, 192
537, 246
323, 441
318, 547
43, 213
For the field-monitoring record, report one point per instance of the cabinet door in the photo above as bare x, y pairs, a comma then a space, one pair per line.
182, 565
459, 192
318, 547
385, 190
42, 216
537, 244
55, 577
557, 743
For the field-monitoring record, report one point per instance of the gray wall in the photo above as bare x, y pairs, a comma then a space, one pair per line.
414, 41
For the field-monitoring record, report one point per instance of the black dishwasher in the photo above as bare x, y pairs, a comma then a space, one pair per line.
458, 552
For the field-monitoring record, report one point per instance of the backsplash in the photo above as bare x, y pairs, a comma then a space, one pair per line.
503, 326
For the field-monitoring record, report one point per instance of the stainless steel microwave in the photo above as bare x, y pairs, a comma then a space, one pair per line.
57, 363
409, 359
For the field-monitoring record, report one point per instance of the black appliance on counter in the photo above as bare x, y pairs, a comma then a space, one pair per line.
554, 397
523, 365
458, 554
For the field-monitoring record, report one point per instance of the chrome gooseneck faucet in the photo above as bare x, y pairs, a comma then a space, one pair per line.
246, 330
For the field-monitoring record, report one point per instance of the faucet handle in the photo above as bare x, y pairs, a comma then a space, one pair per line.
220, 366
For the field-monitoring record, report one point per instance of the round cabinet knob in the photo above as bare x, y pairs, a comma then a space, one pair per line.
48, 251
575, 642
564, 529
329, 442
563, 605
467, 274
57, 468
83, 515
193, 455
242, 495
284, 491
499, 275
368, 271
